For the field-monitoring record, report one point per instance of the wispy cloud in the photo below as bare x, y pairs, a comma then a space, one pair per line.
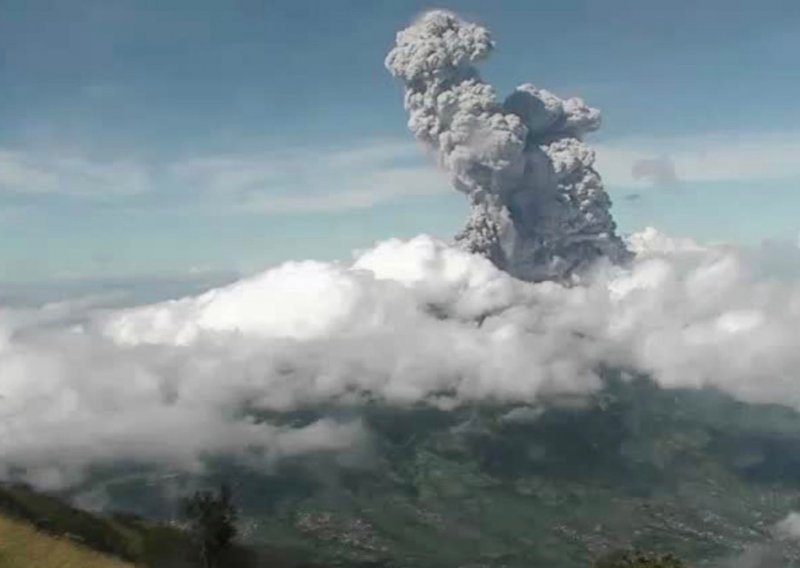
359, 192
711, 158
352, 178
283, 181
369, 173
659, 171
128, 289
30, 173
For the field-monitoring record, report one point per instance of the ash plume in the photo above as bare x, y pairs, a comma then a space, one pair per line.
539, 210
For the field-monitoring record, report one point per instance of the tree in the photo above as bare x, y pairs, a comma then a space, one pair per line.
638, 559
212, 521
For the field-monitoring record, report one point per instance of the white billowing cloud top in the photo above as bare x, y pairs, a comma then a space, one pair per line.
406, 322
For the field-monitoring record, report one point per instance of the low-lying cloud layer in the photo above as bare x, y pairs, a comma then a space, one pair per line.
172, 383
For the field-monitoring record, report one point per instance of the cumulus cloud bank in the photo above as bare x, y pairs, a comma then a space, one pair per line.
539, 210
405, 322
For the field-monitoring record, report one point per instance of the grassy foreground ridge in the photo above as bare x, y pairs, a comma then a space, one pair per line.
22, 546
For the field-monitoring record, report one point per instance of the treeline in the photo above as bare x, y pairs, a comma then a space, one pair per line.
205, 538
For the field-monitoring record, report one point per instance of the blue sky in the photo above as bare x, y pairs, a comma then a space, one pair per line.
150, 138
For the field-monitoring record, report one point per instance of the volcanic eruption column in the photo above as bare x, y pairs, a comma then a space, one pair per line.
539, 210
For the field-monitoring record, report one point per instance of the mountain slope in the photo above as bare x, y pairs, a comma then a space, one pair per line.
43, 531
22, 546
557, 484
55, 525
690, 472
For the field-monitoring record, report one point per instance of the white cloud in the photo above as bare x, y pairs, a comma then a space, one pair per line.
719, 157
789, 527
356, 177
371, 172
367, 190
686, 314
659, 171
406, 322
28, 173
352, 177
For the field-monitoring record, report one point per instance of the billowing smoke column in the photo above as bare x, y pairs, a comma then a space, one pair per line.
539, 210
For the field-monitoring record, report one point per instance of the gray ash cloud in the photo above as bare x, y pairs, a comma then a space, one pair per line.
539, 209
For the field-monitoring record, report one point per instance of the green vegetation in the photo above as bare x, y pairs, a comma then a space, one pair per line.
41, 531
22, 546
635, 467
212, 523
638, 559
125, 537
